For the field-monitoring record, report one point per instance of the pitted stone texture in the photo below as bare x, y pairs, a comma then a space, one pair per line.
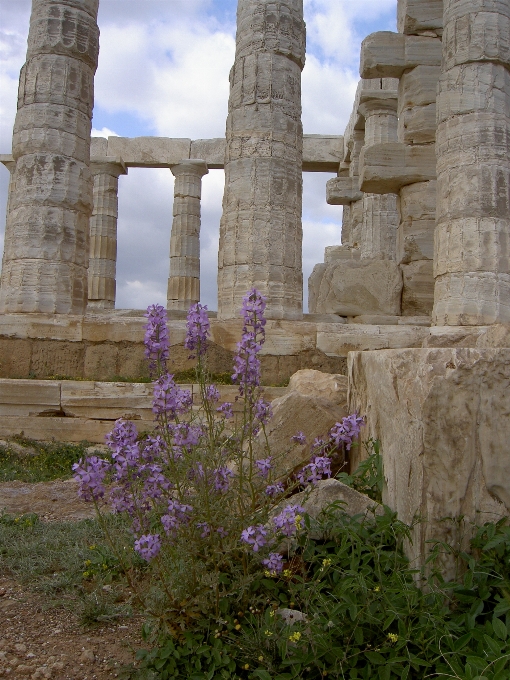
260, 230
46, 254
380, 225
416, 16
418, 291
343, 191
184, 279
443, 419
387, 55
472, 246
352, 288
386, 168
415, 240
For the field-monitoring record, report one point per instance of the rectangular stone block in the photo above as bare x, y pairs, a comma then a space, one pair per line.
48, 326
149, 152
443, 419
387, 55
417, 125
15, 355
339, 340
322, 153
415, 16
29, 397
57, 358
212, 151
107, 400
386, 168
418, 291
343, 191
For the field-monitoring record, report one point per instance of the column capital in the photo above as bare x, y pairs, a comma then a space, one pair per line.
9, 162
194, 166
108, 165
379, 106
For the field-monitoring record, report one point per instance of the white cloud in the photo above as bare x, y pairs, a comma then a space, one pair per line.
140, 294
104, 132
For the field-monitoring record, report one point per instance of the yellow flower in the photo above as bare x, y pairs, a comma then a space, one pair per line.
246, 666
86, 574
287, 573
238, 627
268, 633
392, 637
326, 563
377, 589
271, 613
261, 658
297, 521
295, 637
92, 547
88, 563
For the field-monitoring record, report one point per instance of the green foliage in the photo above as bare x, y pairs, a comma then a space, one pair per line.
368, 478
26, 460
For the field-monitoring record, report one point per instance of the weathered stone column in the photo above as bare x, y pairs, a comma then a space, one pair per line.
472, 240
380, 211
184, 279
47, 247
260, 231
103, 232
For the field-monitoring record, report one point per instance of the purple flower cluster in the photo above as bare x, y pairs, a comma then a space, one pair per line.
222, 476
346, 431
178, 514
274, 563
226, 410
255, 536
148, 546
319, 468
90, 475
246, 363
289, 520
263, 411
212, 393
299, 438
274, 489
170, 400
264, 466
197, 333
157, 341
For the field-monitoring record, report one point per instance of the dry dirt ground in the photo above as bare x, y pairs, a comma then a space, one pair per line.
36, 642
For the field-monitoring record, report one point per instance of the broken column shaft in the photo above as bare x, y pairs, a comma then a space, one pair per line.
47, 232
103, 232
261, 231
184, 279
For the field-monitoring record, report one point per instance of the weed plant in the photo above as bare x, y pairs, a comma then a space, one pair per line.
26, 460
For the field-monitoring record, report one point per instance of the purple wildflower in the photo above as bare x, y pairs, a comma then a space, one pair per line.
212, 393
264, 465
222, 479
289, 520
346, 431
156, 339
178, 513
90, 475
226, 410
197, 330
263, 411
156, 483
299, 438
169, 399
205, 529
318, 469
148, 546
274, 563
255, 536
123, 434
274, 489
122, 500
246, 363
222, 532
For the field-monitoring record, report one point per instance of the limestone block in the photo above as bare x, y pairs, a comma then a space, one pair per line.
106, 400
356, 223
386, 168
321, 153
329, 491
476, 34
131, 362
442, 417
379, 227
415, 237
98, 147
44, 326
15, 357
29, 397
417, 125
334, 253
54, 358
212, 151
416, 16
471, 298
418, 291
314, 285
375, 319
418, 87
149, 152
311, 383
343, 191
106, 328
100, 362
387, 55
292, 413
339, 340
351, 288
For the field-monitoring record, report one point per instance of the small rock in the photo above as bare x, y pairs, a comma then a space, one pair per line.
21, 648
30, 655
57, 666
291, 616
23, 670
87, 656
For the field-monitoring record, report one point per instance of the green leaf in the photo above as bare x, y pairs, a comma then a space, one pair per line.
493, 645
477, 662
358, 635
263, 675
461, 642
500, 629
375, 657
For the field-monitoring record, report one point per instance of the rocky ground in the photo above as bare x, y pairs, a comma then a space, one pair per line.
37, 642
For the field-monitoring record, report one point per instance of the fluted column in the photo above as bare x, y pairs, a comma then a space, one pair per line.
472, 239
184, 279
103, 232
380, 211
261, 231
47, 247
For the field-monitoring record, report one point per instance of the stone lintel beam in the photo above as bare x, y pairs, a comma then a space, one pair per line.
383, 97
108, 164
8, 160
417, 16
321, 153
386, 168
343, 191
387, 55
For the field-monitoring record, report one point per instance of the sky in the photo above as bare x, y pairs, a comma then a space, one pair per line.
163, 70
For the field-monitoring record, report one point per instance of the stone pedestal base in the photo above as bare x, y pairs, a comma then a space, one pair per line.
443, 419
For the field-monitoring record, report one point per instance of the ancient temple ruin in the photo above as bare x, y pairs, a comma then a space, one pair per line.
414, 304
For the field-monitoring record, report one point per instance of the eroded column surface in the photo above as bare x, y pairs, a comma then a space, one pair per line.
472, 239
184, 279
380, 211
103, 232
47, 246
261, 231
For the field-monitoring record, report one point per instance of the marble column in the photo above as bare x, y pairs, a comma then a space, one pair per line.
103, 232
261, 231
472, 239
380, 211
184, 279
47, 247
